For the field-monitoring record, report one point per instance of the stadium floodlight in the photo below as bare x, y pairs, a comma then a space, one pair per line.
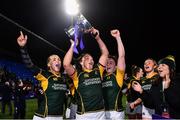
72, 7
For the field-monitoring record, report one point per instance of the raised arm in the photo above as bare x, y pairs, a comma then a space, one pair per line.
121, 52
22, 41
67, 60
102, 46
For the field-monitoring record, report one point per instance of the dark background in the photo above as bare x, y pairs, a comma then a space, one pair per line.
149, 28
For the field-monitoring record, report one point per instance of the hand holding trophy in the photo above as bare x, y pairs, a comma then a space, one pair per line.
81, 26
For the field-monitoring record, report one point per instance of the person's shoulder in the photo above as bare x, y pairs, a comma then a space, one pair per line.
45, 73
131, 78
156, 75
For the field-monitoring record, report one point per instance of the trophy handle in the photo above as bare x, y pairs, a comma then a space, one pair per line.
94, 35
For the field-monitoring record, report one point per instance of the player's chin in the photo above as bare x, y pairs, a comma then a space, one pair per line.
90, 67
57, 69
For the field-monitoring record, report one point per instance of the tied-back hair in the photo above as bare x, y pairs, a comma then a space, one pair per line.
134, 70
79, 59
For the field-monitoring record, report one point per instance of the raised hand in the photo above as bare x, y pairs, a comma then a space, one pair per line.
166, 81
115, 33
22, 39
74, 43
95, 33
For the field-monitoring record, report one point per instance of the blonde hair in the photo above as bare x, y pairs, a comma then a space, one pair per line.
50, 58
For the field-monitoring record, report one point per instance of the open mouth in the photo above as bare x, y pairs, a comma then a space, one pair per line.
107, 69
57, 65
160, 71
147, 67
91, 63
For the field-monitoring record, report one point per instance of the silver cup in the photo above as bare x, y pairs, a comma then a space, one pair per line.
84, 24
70, 31
81, 26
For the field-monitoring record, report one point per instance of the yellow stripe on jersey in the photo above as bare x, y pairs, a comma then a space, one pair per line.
101, 69
151, 75
75, 75
44, 81
72, 89
120, 77
75, 79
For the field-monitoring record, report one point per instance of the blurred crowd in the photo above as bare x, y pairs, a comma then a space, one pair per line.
13, 93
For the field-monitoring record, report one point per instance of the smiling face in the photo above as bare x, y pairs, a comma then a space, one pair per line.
140, 73
149, 65
54, 63
110, 66
87, 62
163, 70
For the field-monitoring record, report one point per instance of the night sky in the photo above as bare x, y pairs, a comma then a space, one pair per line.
149, 28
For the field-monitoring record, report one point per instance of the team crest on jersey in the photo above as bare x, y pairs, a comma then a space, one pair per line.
108, 77
86, 75
143, 81
55, 79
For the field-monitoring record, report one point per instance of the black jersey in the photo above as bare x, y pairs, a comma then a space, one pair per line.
89, 89
112, 84
54, 88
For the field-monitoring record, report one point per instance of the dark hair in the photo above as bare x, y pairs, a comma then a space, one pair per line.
78, 60
170, 61
134, 70
113, 57
81, 56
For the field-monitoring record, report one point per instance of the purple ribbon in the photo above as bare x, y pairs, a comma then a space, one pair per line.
76, 34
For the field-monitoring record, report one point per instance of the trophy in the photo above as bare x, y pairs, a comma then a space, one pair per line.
84, 25
70, 31
81, 26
